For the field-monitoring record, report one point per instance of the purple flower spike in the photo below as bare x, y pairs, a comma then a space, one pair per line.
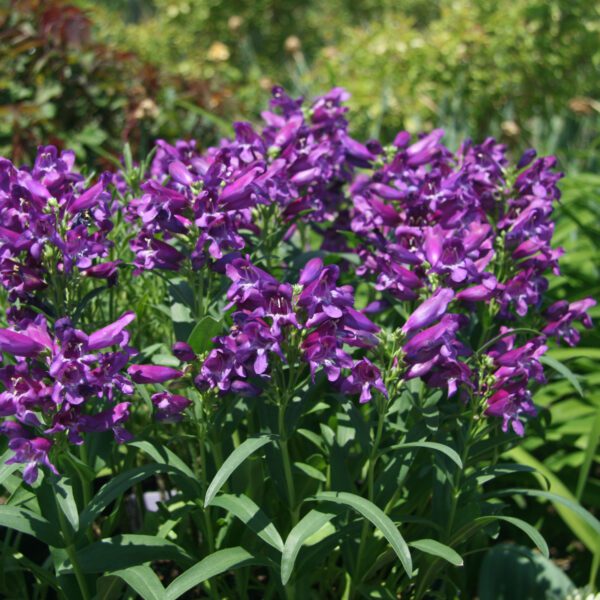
429, 311
153, 373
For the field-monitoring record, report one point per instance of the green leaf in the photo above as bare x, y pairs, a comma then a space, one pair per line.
310, 471
126, 551
572, 505
233, 461
591, 444
578, 523
162, 455
307, 526
511, 571
374, 514
251, 515
221, 124
63, 491
7, 470
436, 548
26, 521
115, 488
489, 473
449, 452
534, 535
143, 581
215, 564
205, 330
564, 371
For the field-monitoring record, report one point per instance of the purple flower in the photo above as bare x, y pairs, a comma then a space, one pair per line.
184, 352
514, 367
364, 377
49, 222
429, 311
153, 373
34, 454
169, 407
561, 316
18, 344
58, 383
111, 335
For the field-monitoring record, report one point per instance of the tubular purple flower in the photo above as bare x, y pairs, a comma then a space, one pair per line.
153, 373
32, 452
180, 173
561, 316
429, 311
88, 199
364, 377
113, 334
19, 344
169, 407
184, 352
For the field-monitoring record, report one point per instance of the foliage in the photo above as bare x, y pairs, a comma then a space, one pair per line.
338, 345
525, 71
60, 86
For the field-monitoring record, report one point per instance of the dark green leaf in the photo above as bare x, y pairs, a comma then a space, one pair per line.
310, 471
26, 521
251, 515
534, 535
142, 580
449, 452
233, 461
125, 551
215, 564
571, 505
436, 548
205, 330
374, 514
115, 488
307, 526
564, 371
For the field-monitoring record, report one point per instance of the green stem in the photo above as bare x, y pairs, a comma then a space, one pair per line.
371, 494
431, 571
71, 552
287, 465
200, 471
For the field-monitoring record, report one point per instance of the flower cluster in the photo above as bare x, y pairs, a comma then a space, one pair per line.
59, 386
444, 229
51, 224
450, 248
268, 312
200, 206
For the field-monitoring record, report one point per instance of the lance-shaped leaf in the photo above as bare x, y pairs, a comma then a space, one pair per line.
374, 514
215, 564
247, 511
26, 521
307, 526
233, 461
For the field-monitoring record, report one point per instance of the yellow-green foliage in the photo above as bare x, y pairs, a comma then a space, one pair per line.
484, 64
524, 70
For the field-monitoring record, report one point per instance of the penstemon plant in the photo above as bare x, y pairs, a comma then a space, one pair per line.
284, 367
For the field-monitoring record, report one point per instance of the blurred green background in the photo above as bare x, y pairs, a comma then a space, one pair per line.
92, 75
